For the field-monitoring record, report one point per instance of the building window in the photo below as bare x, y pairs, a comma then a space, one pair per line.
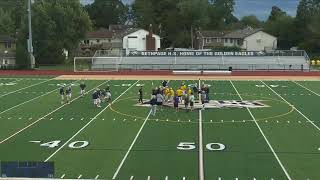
231, 41
218, 39
86, 41
98, 40
7, 45
226, 40
208, 40
109, 40
259, 40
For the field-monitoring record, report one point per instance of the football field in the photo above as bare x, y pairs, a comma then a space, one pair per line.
250, 130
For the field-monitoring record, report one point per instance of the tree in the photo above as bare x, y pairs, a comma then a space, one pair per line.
251, 21
276, 12
307, 15
103, 13
7, 25
220, 13
57, 25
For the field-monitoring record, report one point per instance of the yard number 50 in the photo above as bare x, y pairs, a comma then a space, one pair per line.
185, 146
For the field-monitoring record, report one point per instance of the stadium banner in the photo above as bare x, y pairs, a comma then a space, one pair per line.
195, 53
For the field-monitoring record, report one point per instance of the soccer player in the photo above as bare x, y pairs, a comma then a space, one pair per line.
94, 98
191, 99
82, 89
140, 95
176, 101
68, 94
153, 103
108, 97
61, 92
171, 94
160, 100
186, 102
164, 83
203, 99
179, 93
98, 95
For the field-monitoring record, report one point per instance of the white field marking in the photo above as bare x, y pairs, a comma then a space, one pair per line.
79, 176
131, 146
201, 168
71, 119
86, 125
262, 133
28, 101
26, 87
33, 123
237, 179
148, 178
97, 176
61, 119
131, 178
219, 178
305, 88
63, 175
82, 119
317, 127
184, 178
167, 178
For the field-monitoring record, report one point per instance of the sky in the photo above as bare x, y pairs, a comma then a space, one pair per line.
260, 8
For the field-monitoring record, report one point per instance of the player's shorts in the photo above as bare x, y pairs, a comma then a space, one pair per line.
95, 102
175, 105
69, 95
82, 91
191, 104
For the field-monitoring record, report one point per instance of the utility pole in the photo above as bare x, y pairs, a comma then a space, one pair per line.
30, 46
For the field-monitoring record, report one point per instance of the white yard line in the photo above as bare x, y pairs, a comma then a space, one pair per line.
131, 146
33, 123
265, 138
86, 125
201, 167
25, 87
317, 127
28, 101
305, 88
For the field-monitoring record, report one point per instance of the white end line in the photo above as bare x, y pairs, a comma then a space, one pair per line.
131, 146
94, 118
265, 138
305, 88
317, 127
26, 87
26, 127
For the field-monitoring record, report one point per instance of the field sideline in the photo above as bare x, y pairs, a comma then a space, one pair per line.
122, 141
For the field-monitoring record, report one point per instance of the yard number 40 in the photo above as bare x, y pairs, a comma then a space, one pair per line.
185, 146
72, 145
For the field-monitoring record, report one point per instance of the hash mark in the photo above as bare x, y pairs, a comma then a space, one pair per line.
149, 177
79, 176
62, 176
61, 119
96, 177
131, 178
166, 178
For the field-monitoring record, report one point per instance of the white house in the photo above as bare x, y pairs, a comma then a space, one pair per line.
137, 41
247, 39
126, 38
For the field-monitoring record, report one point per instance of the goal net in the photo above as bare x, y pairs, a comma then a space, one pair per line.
101, 61
98, 64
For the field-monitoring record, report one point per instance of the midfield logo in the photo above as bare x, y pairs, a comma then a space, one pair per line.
216, 104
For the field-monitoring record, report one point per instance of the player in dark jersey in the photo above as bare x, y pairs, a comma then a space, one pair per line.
61, 92
140, 95
82, 89
68, 94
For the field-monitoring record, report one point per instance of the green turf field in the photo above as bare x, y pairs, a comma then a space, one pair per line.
123, 141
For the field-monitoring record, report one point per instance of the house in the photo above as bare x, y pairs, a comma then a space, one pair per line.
248, 39
7, 51
118, 38
141, 40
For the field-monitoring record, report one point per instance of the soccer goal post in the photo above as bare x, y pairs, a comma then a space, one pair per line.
96, 64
